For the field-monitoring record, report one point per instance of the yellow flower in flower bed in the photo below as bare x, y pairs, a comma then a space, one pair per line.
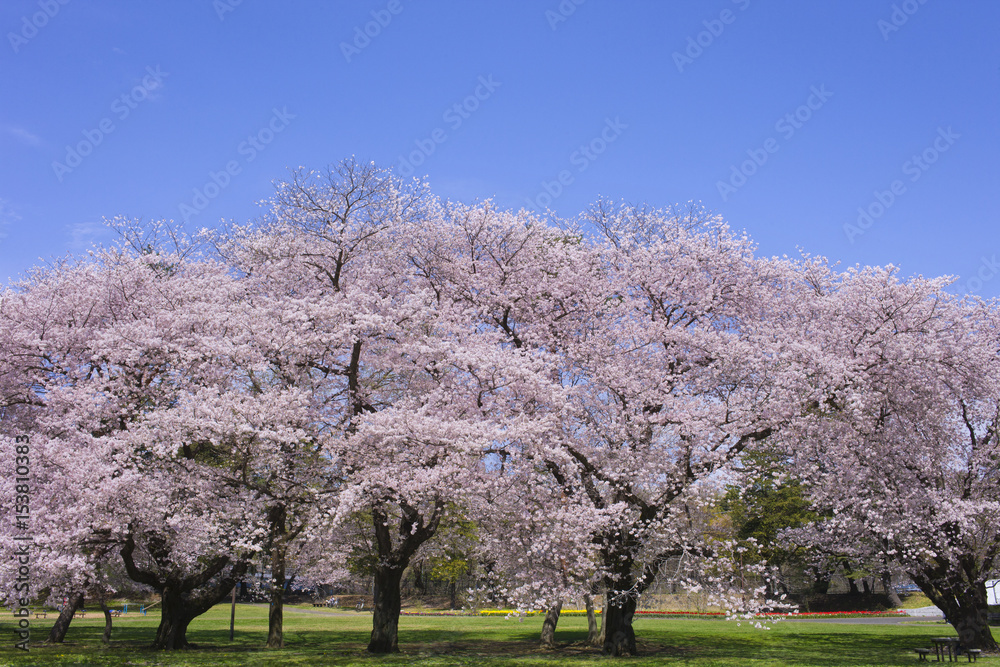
532, 612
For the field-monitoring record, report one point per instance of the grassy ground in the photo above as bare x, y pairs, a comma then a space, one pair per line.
916, 600
323, 637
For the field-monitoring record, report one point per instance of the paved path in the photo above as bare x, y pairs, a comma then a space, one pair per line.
322, 611
912, 616
871, 620
926, 612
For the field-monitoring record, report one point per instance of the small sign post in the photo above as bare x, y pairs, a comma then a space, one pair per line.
232, 617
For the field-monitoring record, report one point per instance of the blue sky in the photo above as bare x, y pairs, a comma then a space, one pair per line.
867, 131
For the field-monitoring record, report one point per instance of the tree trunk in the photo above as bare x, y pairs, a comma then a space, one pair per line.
972, 626
967, 612
548, 639
174, 620
186, 598
418, 578
107, 623
619, 637
890, 591
58, 632
599, 642
776, 586
592, 629
385, 621
821, 582
392, 561
275, 614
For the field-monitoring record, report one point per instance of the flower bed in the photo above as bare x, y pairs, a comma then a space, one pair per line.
434, 613
664, 614
803, 614
533, 612
841, 614
683, 614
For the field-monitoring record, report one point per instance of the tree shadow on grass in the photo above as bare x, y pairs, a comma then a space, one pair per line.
814, 648
466, 641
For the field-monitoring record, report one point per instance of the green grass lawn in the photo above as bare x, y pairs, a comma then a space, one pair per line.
916, 600
318, 637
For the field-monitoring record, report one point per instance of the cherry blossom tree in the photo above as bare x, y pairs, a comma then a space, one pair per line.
903, 452
531, 538
367, 352
661, 361
116, 346
404, 377
63, 555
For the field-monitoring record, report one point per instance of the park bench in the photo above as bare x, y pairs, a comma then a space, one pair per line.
116, 612
971, 654
945, 647
82, 613
41, 614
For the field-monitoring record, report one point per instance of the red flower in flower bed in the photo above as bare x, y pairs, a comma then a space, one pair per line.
806, 614
846, 614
